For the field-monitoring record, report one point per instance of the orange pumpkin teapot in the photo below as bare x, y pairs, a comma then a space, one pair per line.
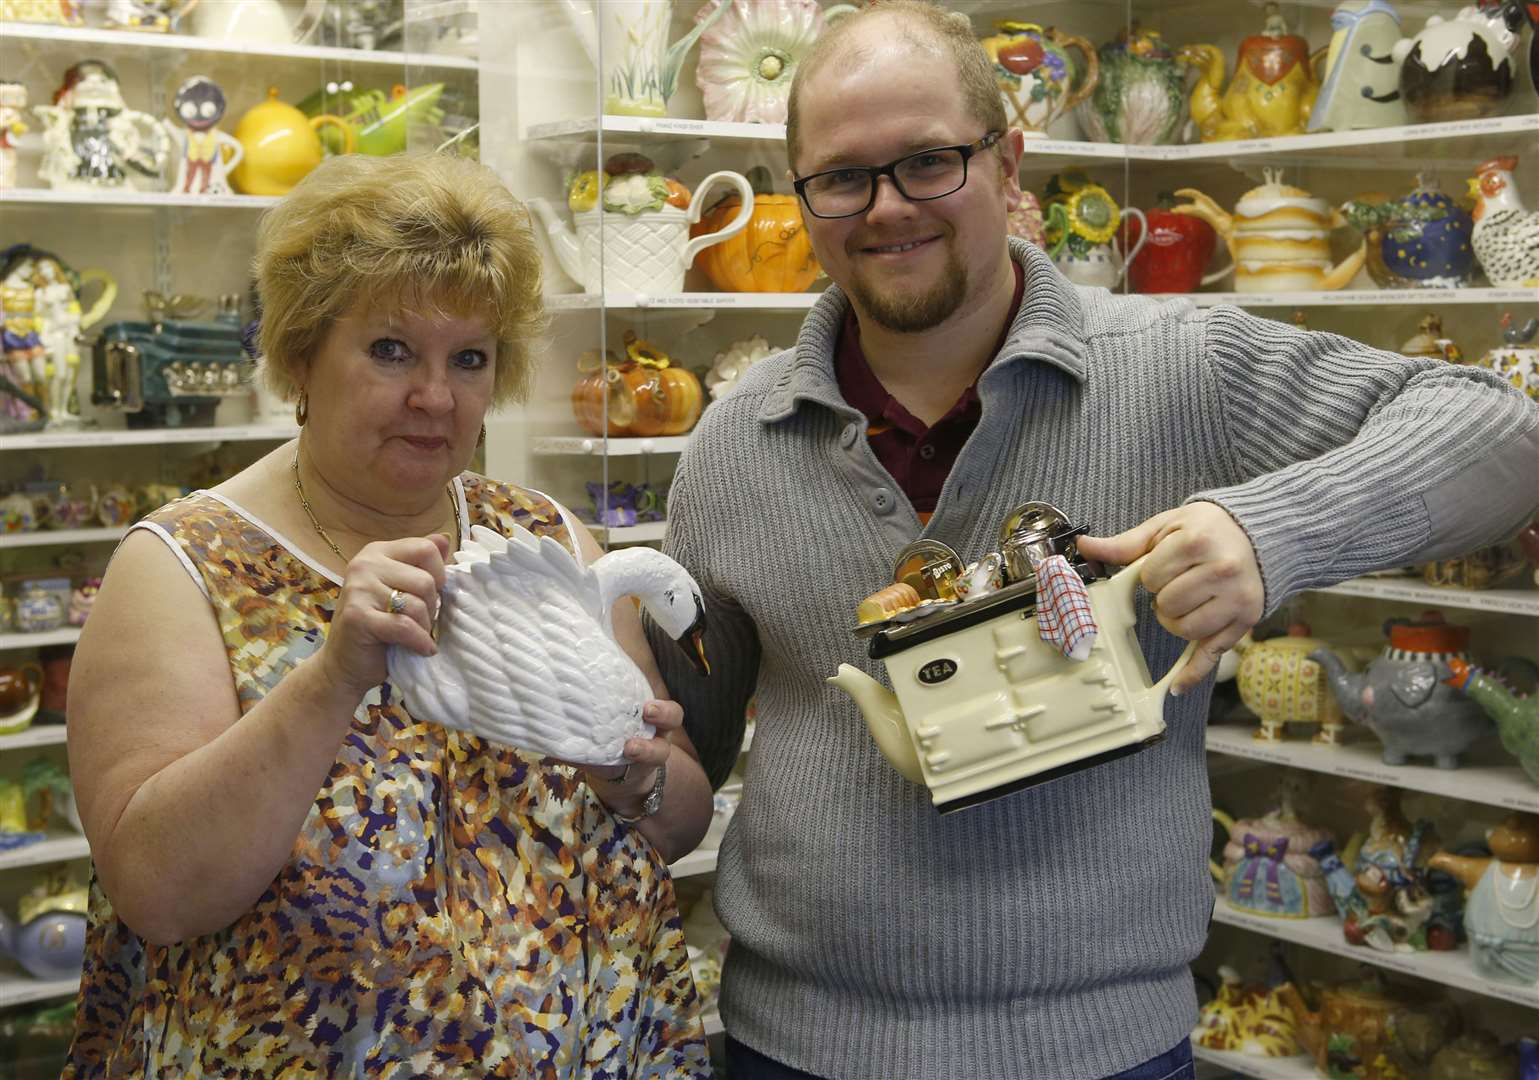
645, 396
773, 254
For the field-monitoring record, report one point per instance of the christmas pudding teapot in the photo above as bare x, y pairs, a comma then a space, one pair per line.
1279, 237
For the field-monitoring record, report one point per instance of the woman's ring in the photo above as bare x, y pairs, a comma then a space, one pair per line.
397, 601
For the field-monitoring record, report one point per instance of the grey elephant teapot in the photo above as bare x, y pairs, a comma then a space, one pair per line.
1402, 695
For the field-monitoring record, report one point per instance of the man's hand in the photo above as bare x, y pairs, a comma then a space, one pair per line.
1204, 576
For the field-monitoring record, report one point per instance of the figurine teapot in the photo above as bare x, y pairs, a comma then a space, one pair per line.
1502, 915
1421, 240
1037, 77
1267, 867
1402, 696
984, 705
1458, 69
645, 252
20, 692
1360, 77
1279, 238
1272, 92
1366, 1030
1082, 222
1516, 718
640, 69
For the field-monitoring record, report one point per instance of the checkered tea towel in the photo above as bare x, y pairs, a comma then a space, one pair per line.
1063, 608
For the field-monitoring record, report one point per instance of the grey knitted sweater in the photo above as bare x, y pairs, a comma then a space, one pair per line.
1048, 934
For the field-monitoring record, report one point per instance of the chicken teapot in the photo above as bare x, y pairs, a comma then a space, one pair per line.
1279, 238
640, 69
645, 253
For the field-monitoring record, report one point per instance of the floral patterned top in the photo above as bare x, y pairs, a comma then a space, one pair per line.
451, 908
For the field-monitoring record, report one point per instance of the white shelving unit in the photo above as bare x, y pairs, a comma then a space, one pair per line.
61, 537
592, 444
33, 737
1301, 1067
65, 635
99, 437
130, 199
54, 849
648, 532
20, 989
686, 301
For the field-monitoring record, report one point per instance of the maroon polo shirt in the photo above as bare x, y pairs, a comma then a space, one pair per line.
918, 458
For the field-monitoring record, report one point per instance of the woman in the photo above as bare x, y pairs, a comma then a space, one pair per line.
293, 876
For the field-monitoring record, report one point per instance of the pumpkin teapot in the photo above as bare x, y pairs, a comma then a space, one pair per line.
643, 397
1273, 90
281, 146
1038, 79
1279, 238
772, 254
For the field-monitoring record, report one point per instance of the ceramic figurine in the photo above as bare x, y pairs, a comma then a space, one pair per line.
1140, 96
1401, 695
20, 693
151, 16
1281, 684
1272, 93
1244, 1019
1279, 237
202, 165
728, 366
629, 235
1388, 901
56, 12
1517, 358
645, 396
13, 105
1016, 710
1176, 257
379, 123
38, 611
1502, 914
1458, 69
1082, 220
90, 137
748, 58
1516, 718
1506, 235
1475, 1055
1038, 79
1360, 78
1364, 1029
1516, 13
526, 653
281, 146
640, 68
81, 599
39, 281
1419, 241
1267, 867
1428, 341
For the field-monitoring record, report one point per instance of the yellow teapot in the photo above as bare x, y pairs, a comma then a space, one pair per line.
281, 146
1273, 90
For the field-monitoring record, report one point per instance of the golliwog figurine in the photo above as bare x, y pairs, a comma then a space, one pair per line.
90, 135
202, 167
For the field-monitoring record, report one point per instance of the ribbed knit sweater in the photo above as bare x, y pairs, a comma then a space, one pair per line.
1046, 934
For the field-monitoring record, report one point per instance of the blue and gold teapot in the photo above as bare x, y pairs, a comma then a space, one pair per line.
1418, 241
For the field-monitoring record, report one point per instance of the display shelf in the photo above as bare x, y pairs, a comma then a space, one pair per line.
588, 127
60, 537
713, 1024
686, 301
127, 197
32, 737
699, 861
647, 532
59, 440
1407, 590
1372, 298
18, 989
65, 635
1373, 147
54, 849
94, 38
1447, 968
1499, 781
592, 444
1298, 1067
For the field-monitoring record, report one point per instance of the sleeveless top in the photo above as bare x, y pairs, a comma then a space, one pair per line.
451, 907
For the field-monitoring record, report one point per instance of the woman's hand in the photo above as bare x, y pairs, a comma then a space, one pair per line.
643, 755
409, 572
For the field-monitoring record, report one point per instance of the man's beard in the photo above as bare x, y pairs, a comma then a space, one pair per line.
911, 313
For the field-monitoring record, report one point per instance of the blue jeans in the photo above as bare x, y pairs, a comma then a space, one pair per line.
744, 1063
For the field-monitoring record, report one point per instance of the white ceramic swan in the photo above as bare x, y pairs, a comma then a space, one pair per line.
526, 648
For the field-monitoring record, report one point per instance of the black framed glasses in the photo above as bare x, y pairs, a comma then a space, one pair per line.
919, 177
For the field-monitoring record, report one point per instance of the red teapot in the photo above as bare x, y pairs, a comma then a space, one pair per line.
1179, 249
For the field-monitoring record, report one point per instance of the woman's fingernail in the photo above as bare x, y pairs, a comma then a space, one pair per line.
650, 712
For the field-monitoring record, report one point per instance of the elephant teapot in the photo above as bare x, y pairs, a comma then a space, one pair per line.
640, 69
643, 247
1279, 237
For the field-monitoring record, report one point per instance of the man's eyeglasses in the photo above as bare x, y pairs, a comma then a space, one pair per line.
919, 177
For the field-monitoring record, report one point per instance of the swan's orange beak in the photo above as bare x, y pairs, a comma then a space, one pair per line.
693, 642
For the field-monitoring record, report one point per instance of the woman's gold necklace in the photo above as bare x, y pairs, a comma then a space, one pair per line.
300, 489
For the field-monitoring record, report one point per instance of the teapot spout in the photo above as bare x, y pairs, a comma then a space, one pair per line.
1205, 208
1467, 868
884, 716
674, 59
562, 240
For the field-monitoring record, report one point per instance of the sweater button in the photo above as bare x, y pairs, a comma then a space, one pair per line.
881, 500
927, 451
848, 436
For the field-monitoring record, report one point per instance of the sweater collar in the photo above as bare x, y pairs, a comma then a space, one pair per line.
1048, 327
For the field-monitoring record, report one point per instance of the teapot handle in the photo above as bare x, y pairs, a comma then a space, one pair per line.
1138, 245
1226, 823
1092, 67
1125, 581
327, 120
109, 293
738, 223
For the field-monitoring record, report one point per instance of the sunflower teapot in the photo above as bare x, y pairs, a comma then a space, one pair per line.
1082, 222
1279, 237
1272, 93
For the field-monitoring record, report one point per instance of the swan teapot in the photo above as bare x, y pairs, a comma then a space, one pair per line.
527, 654
981, 704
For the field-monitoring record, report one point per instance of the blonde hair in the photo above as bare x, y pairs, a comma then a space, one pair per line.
423, 229
925, 26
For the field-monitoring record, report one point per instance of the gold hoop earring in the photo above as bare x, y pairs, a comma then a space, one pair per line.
302, 409
481, 439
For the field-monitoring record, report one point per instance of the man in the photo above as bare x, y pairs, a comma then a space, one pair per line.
1046, 934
